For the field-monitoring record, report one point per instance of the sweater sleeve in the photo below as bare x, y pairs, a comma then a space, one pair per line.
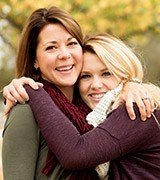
107, 141
20, 144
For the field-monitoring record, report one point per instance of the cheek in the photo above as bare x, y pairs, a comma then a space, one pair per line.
82, 89
80, 86
78, 55
112, 83
47, 61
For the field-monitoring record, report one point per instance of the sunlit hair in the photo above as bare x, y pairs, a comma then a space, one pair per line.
119, 59
29, 40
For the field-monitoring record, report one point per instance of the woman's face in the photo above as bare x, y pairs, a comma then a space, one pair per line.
58, 55
95, 80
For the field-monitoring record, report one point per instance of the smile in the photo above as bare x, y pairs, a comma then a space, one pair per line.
64, 68
97, 96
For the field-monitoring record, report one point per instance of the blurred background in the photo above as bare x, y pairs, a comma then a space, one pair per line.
137, 22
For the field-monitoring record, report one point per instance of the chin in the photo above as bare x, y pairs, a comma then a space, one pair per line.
93, 106
69, 83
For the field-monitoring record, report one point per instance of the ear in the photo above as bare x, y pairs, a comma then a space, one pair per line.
36, 65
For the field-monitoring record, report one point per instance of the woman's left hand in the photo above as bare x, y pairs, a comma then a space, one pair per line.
136, 93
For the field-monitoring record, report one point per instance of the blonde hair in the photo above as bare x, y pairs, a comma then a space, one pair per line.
119, 59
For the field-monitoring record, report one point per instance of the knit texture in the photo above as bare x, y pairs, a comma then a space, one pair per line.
76, 112
98, 115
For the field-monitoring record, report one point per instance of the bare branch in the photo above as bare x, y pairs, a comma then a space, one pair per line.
6, 41
12, 22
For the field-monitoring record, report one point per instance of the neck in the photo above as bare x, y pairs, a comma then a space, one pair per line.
68, 92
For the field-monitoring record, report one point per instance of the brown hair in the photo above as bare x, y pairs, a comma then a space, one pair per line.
36, 22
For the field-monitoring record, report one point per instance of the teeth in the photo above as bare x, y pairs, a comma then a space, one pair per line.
66, 68
97, 95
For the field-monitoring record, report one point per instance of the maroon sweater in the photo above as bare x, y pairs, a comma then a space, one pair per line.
133, 147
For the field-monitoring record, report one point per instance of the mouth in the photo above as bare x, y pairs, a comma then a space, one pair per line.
96, 96
65, 68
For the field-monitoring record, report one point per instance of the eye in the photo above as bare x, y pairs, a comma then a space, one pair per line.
106, 74
72, 43
50, 48
85, 76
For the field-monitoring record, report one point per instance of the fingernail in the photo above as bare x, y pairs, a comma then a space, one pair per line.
149, 116
36, 87
143, 119
133, 118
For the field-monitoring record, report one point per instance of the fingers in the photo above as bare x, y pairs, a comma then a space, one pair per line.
31, 82
7, 94
39, 84
149, 90
130, 109
8, 107
20, 94
16, 92
139, 94
145, 103
149, 104
142, 107
118, 102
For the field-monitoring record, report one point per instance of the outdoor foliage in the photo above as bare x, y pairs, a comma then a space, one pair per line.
137, 21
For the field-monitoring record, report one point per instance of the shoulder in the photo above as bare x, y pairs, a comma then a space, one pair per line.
20, 118
121, 125
32, 92
20, 111
133, 134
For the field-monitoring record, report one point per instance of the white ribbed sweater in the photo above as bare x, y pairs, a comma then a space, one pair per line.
98, 115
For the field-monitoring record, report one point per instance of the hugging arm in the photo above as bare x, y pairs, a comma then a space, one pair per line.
132, 92
102, 144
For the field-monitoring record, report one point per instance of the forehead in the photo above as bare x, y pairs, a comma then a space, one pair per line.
92, 62
53, 31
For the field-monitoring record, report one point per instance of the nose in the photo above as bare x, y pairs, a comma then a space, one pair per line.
64, 54
96, 83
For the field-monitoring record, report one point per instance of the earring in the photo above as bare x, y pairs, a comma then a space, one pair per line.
36, 71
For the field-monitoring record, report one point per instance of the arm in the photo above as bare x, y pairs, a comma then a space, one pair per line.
104, 143
132, 92
20, 144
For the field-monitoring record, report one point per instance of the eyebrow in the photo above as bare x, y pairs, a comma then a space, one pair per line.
105, 69
55, 42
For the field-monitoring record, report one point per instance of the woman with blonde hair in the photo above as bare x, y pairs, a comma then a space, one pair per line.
131, 147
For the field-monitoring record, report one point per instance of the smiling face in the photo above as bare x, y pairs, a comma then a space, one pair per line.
95, 80
59, 56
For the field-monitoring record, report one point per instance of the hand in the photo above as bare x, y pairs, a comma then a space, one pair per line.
15, 92
8, 106
135, 92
